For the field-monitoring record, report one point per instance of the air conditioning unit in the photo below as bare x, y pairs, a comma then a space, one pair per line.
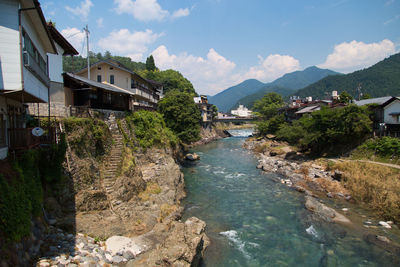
26, 59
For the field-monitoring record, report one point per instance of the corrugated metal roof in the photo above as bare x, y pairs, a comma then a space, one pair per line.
308, 109
378, 101
108, 87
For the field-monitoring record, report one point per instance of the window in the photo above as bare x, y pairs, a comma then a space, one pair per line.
132, 83
99, 68
111, 68
2, 131
99, 78
31, 49
112, 79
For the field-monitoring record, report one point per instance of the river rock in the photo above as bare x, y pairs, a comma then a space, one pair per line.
385, 224
192, 156
324, 212
120, 244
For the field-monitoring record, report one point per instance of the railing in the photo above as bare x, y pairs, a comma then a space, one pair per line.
22, 138
31, 64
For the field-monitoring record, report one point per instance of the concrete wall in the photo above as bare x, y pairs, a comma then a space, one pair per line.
57, 92
391, 108
10, 56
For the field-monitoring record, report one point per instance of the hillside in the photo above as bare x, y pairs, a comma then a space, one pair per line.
382, 79
287, 84
227, 98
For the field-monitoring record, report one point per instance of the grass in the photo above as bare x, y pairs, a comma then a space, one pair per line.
152, 188
166, 210
375, 185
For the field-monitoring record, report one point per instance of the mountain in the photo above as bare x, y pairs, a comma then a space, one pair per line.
381, 79
287, 84
227, 98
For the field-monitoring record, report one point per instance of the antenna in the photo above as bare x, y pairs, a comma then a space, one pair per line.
87, 46
359, 91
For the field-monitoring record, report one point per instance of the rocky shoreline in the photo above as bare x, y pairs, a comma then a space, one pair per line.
317, 183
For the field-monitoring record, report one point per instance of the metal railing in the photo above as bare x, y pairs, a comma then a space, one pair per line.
22, 138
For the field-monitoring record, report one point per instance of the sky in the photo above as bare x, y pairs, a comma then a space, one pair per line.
220, 43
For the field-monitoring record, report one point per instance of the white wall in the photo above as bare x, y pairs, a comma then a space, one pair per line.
391, 108
10, 56
55, 65
31, 84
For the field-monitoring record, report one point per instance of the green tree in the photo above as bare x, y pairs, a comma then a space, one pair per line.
107, 55
150, 64
214, 111
365, 96
345, 97
268, 106
181, 115
171, 80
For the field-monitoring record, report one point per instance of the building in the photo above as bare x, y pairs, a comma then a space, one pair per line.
145, 94
24, 43
205, 109
241, 111
386, 114
57, 98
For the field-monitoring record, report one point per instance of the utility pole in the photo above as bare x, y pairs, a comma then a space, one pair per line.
359, 92
87, 46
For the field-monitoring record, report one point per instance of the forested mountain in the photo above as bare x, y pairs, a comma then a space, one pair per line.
227, 98
287, 84
382, 79
72, 64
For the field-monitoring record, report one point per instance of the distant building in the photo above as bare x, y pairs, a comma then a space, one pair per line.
386, 113
241, 111
205, 109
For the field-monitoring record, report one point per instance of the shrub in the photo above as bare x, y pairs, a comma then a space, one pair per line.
385, 146
150, 129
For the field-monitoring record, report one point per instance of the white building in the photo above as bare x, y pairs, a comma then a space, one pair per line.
241, 111
24, 43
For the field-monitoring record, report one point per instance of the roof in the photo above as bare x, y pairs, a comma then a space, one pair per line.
308, 109
378, 101
59, 39
390, 101
111, 62
394, 113
37, 18
104, 86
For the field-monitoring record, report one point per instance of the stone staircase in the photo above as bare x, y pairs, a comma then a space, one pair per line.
113, 161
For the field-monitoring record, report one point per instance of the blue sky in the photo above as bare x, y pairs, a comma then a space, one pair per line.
219, 43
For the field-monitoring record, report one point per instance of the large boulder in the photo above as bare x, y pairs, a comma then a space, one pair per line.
324, 212
192, 156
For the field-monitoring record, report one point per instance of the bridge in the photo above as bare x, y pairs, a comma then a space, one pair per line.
235, 119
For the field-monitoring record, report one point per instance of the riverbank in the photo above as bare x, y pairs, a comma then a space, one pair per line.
324, 181
121, 207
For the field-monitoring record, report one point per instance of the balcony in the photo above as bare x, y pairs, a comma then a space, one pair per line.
31, 64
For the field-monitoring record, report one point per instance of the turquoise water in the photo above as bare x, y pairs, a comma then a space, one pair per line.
254, 221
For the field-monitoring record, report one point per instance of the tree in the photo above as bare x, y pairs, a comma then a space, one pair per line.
171, 80
150, 64
365, 96
214, 111
107, 55
181, 115
345, 97
268, 106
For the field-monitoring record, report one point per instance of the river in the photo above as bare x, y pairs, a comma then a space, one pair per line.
254, 221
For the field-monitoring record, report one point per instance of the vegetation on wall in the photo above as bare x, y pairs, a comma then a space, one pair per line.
181, 115
21, 189
87, 136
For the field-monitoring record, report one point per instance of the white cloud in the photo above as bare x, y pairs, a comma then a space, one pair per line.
214, 73
124, 42
391, 20
272, 67
99, 22
147, 10
352, 56
82, 10
208, 75
389, 2
75, 37
182, 12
